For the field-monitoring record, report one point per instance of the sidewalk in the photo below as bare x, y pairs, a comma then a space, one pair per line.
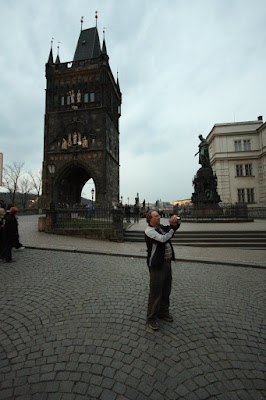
30, 237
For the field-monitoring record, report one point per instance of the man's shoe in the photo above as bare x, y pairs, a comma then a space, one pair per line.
153, 325
20, 248
167, 317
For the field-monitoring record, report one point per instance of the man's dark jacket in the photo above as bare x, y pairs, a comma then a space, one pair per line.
156, 242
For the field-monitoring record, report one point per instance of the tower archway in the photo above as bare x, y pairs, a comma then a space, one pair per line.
69, 184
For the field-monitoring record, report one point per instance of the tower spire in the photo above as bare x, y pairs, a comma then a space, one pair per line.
117, 81
96, 17
104, 50
57, 61
51, 58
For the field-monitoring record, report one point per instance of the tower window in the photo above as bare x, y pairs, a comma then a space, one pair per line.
92, 97
62, 100
68, 100
86, 98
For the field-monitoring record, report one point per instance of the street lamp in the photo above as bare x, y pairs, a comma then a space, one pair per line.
51, 168
92, 194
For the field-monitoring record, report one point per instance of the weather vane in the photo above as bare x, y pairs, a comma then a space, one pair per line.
81, 23
104, 32
52, 40
58, 47
96, 17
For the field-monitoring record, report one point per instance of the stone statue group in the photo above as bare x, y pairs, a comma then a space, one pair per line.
74, 140
72, 96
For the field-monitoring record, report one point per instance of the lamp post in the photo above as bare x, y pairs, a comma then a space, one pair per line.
92, 194
51, 168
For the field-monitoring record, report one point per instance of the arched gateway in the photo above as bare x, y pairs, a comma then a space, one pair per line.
81, 135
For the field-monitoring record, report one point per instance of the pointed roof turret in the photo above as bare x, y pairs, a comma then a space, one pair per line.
57, 61
51, 58
117, 82
88, 45
104, 49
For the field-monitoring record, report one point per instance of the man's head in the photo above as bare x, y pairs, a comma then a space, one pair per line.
153, 218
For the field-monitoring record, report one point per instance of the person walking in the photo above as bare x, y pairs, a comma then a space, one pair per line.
127, 212
10, 234
136, 213
160, 253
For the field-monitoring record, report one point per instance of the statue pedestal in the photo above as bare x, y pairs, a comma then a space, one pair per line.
205, 194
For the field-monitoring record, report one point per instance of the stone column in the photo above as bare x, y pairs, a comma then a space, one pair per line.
117, 234
50, 221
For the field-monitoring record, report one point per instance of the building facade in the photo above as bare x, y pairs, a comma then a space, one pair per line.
238, 158
81, 133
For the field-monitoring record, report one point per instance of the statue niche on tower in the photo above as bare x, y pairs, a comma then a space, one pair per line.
205, 196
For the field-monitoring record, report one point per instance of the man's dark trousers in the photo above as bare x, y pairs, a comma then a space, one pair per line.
160, 289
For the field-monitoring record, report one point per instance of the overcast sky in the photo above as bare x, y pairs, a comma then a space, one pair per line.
183, 67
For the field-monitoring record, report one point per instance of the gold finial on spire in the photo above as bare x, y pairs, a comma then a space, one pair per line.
104, 33
81, 22
58, 47
96, 17
52, 40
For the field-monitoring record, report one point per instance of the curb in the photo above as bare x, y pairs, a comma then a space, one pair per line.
137, 255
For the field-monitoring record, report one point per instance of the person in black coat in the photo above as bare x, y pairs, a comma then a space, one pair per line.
10, 234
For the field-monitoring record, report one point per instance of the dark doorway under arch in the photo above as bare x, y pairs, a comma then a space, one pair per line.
70, 184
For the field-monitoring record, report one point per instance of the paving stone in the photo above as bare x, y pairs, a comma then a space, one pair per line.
84, 344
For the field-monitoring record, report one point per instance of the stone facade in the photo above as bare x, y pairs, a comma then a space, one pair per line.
238, 158
81, 134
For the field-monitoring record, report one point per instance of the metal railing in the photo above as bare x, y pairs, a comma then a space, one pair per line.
257, 212
83, 218
222, 212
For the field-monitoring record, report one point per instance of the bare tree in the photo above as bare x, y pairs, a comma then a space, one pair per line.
25, 186
12, 173
36, 182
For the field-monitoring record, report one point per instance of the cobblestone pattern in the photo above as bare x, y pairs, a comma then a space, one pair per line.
73, 327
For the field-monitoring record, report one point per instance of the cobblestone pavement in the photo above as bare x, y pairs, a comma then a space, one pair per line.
72, 327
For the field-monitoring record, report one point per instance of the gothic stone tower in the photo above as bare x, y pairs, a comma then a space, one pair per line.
81, 134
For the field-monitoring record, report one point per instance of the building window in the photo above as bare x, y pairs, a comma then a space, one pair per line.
92, 97
250, 196
238, 145
239, 170
245, 195
68, 100
92, 140
247, 145
248, 169
86, 97
241, 195
62, 100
